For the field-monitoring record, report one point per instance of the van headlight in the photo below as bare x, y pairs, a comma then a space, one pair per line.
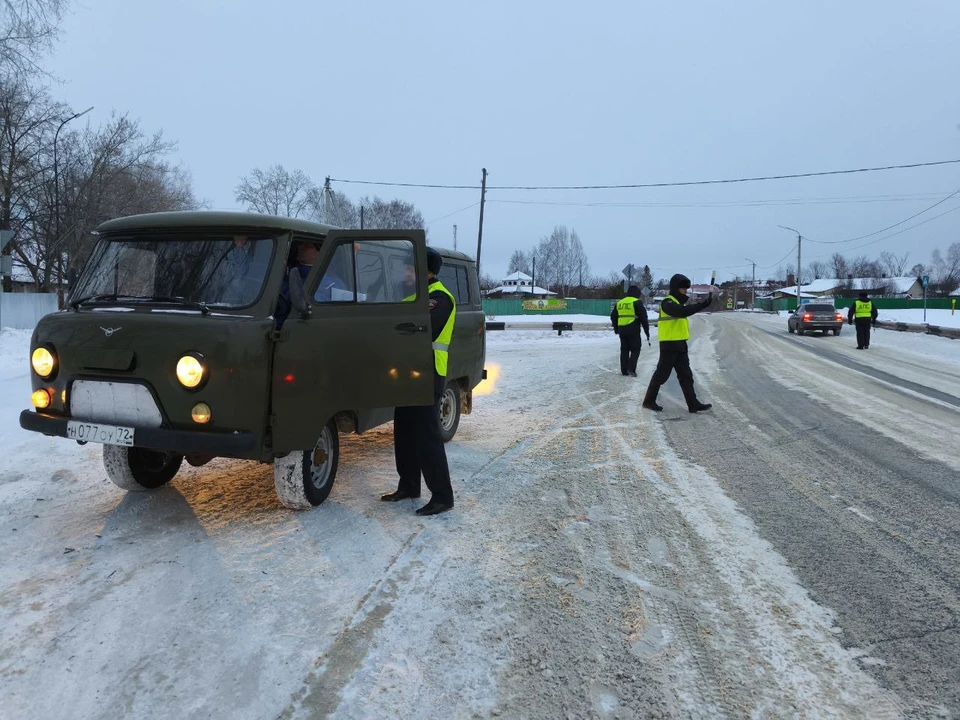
191, 371
44, 362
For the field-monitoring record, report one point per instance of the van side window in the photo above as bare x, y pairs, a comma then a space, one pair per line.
338, 282
448, 276
386, 270
464, 285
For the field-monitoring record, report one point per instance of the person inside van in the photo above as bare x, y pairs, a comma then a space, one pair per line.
306, 254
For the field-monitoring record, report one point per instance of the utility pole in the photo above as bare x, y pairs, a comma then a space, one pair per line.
533, 279
753, 284
326, 200
56, 206
799, 243
454, 237
361, 217
483, 197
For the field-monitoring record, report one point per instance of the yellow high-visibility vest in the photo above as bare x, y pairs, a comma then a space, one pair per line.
671, 329
441, 346
626, 311
863, 309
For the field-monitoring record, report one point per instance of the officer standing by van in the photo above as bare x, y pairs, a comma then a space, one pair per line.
628, 317
418, 444
864, 313
673, 331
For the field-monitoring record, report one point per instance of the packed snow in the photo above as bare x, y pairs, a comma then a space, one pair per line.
209, 599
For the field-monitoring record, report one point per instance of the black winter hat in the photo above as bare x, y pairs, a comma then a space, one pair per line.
633, 291
434, 261
863, 295
679, 281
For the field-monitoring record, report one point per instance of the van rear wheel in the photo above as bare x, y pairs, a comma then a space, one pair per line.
138, 469
304, 479
450, 411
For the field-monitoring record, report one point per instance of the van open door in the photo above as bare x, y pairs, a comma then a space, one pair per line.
361, 339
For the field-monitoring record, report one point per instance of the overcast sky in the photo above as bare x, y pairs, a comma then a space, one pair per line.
558, 93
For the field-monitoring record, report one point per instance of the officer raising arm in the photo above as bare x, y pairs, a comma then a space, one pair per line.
418, 444
673, 330
628, 316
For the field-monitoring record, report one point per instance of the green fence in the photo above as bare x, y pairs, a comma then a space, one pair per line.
505, 306
881, 303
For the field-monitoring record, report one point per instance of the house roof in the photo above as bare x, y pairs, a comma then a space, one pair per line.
899, 285
521, 289
517, 276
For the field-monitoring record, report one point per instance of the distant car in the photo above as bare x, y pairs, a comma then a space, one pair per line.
815, 316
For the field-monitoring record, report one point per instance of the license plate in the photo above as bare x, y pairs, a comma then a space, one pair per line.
95, 432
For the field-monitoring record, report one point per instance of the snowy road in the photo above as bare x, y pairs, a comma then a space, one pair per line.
791, 553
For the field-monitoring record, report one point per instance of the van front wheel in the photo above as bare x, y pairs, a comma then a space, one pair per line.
450, 411
304, 479
137, 469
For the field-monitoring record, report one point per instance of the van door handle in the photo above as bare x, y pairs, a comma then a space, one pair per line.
410, 328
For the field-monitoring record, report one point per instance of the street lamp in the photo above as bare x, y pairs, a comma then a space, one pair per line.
56, 204
799, 242
753, 284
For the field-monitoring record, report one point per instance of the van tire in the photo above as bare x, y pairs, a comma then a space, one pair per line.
304, 479
450, 411
138, 469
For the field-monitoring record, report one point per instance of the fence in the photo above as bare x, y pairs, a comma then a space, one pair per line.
506, 306
23, 311
880, 303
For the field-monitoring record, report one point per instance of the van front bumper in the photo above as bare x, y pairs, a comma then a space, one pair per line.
185, 442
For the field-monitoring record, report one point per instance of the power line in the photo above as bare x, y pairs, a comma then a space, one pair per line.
726, 181
889, 227
444, 217
730, 203
899, 232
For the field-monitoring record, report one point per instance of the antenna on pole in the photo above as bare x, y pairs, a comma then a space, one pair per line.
454, 237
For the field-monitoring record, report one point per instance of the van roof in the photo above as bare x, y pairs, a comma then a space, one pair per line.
453, 254
212, 218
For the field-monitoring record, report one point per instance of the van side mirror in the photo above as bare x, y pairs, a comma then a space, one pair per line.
297, 300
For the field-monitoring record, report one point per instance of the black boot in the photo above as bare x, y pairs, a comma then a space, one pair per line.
700, 407
398, 495
650, 399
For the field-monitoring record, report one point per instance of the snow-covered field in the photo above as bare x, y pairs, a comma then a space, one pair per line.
587, 570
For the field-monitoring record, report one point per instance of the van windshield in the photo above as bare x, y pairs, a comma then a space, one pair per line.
210, 269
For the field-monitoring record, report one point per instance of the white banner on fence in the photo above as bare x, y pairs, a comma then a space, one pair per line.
22, 311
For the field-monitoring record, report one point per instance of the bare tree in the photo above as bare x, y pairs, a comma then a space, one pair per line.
892, 264
390, 214
818, 269
333, 208
919, 270
519, 261
561, 259
276, 191
946, 269
28, 29
840, 266
488, 282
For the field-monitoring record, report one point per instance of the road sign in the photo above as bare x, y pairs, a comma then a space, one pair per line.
645, 291
729, 304
628, 271
925, 281
5, 237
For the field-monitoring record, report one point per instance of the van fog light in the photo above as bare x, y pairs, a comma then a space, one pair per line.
41, 398
191, 371
201, 413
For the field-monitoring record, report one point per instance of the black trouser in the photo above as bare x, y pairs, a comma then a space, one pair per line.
673, 359
863, 332
630, 345
418, 448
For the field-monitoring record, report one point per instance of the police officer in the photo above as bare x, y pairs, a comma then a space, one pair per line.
418, 444
864, 313
673, 330
628, 316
